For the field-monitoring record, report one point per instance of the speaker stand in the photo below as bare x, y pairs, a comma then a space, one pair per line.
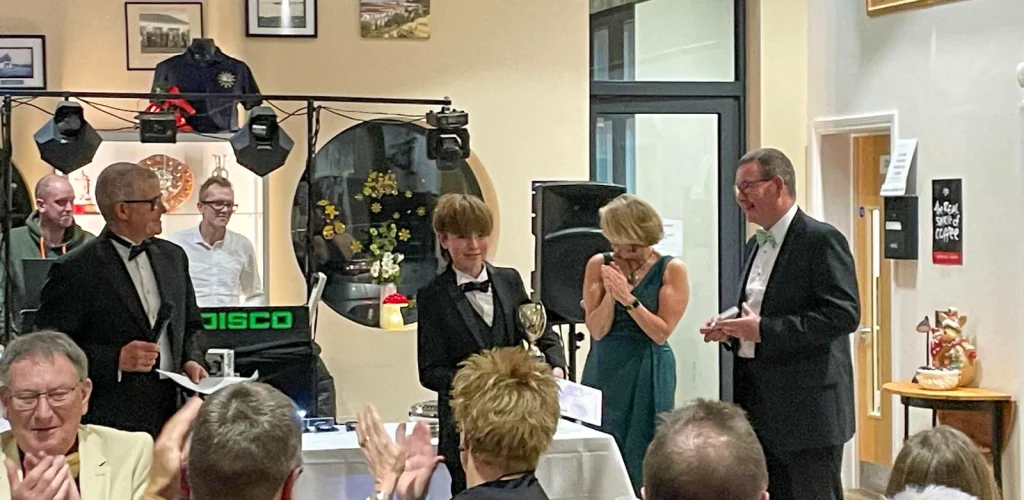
574, 338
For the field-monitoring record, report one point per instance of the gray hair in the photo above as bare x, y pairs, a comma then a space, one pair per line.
933, 493
47, 344
772, 162
246, 441
120, 182
706, 449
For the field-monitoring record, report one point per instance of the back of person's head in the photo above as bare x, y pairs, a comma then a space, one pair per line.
704, 450
120, 182
505, 404
933, 493
246, 444
943, 456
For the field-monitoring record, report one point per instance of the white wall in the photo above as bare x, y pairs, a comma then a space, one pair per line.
948, 71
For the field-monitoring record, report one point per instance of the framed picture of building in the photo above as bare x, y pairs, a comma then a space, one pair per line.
281, 18
155, 31
876, 7
22, 62
394, 18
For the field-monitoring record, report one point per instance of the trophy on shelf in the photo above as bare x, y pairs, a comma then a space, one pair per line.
220, 170
84, 204
533, 319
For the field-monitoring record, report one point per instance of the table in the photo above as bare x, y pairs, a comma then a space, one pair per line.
580, 464
961, 398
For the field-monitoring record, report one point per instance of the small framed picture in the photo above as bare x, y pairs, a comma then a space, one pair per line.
408, 19
22, 62
876, 7
155, 31
280, 18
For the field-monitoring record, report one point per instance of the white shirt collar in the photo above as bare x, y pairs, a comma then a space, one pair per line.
461, 277
781, 227
197, 237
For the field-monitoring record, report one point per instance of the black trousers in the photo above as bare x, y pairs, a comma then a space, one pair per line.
807, 474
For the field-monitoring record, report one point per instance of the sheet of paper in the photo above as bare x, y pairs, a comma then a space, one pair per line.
899, 168
672, 242
208, 385
579, 402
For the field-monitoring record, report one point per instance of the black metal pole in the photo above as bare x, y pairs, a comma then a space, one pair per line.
241, 97
6, 176
307, 177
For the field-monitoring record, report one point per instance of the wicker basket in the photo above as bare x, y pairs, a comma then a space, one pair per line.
938, 380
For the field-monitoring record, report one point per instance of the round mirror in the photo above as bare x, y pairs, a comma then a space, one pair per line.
373, 193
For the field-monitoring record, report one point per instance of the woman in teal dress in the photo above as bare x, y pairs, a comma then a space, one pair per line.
633, 298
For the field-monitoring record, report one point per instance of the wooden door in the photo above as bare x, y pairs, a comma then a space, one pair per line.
874, 278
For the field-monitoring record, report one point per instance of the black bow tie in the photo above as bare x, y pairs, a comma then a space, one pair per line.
133, 250
475, 286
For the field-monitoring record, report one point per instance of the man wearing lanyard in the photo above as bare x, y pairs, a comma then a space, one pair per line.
49, 232
222, 262
125, 298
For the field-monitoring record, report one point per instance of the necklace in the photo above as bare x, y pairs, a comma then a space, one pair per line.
632, 272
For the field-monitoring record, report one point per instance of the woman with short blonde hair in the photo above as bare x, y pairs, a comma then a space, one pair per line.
633, 299
943, 456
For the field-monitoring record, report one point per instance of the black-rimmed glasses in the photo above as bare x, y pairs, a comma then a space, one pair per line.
220, 205
154, 202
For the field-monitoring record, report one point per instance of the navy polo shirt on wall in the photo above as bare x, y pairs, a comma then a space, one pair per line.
222, 74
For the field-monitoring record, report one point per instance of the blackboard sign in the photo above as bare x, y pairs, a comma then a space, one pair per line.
947, 222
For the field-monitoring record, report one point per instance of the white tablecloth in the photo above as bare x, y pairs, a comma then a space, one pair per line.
580, 464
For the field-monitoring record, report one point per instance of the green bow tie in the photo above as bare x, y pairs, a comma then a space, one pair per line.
765, 237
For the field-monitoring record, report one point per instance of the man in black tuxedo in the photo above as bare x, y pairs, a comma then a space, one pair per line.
127, 300
470, 307
799, 303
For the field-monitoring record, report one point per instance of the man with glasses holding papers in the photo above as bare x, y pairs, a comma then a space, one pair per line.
222, 262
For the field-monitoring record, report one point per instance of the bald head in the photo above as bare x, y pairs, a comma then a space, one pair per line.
705, 450
49, 183
55, 202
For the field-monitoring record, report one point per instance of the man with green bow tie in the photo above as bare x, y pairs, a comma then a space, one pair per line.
793, 372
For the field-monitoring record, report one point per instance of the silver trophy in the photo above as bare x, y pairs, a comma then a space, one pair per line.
533, 319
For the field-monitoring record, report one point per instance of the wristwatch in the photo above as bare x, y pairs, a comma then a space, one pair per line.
632, 305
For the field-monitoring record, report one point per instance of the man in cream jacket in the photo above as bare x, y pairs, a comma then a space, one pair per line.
48, 453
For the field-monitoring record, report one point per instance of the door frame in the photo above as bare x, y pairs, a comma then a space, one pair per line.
731, 222
886, 122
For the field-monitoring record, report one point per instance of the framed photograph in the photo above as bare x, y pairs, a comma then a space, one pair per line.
155, 31
22, 62
394, 19
876, 7
280, 18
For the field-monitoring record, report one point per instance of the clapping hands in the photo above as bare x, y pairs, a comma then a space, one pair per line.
615, 283
404, 465
45, 478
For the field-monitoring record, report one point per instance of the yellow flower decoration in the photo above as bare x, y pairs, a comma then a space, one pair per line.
323, 203
366, 191
408, 194
404, 235
375, 208
421, 211
395, 215
328, 232
330, 211
356, 246
359, 196
339, 227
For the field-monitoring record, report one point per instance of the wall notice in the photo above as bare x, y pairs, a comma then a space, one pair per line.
947, 222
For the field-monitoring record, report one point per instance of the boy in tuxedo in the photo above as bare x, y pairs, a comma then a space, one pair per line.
470, 307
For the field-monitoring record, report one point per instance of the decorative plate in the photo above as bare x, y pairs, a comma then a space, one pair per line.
176, 179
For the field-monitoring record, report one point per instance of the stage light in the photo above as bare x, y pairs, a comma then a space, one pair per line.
448, 141
262, 146
67, 142
161, 128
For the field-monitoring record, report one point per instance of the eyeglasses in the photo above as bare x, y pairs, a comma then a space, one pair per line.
157, 201
29, 400
220, 205
745, 186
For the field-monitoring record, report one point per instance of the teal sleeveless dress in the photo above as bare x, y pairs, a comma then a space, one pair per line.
636, 375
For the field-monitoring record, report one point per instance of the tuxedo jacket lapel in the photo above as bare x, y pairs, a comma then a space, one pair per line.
502, 293
465, 309
165, 283
780, 271
751, 253
123, 284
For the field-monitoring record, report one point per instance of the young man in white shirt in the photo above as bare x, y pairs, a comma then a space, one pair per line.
222, 262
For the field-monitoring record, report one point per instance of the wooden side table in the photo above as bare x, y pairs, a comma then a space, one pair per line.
963, 399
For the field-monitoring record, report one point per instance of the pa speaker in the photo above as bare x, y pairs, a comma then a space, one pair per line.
567, 232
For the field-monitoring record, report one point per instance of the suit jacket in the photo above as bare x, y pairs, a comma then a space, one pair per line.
90, 296
802, 372
448, 333
113, 463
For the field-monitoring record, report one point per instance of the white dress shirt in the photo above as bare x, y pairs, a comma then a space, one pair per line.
482, 302
223, 274
761, 272
141, 272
